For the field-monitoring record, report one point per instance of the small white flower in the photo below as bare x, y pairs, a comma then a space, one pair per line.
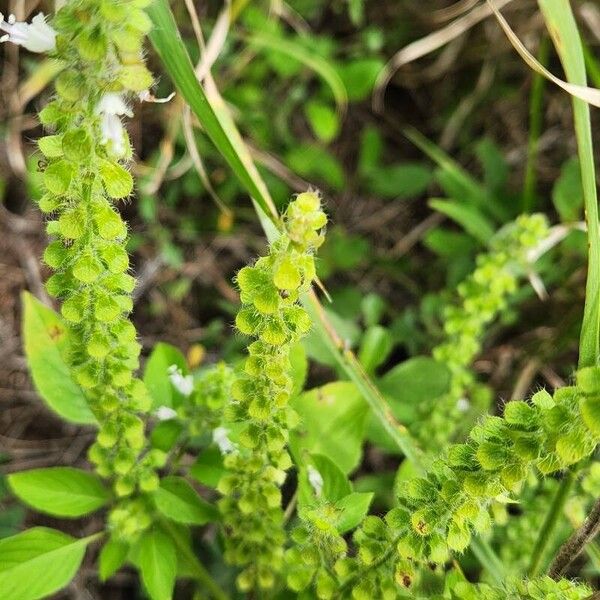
110, 108
221, 439
184, 384
36, 36
164, 413
463, 405
148, 96
316, 480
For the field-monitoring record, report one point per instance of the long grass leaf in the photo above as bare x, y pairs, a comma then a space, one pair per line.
563, 29
170, 47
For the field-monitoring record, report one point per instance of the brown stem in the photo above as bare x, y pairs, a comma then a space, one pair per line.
573, 547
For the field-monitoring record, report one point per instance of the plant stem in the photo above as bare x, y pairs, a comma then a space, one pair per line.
550, 522
535, 129
200, 573
573, 547
488, 559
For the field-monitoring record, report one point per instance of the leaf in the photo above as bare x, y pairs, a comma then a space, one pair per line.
177, 500
401, 181
165, 434
39, 562
323, 120
208, 468
567, 193
371, 148
60, 491
405, 386
112, 557
335, 483
313, 162
563, 27
156, 375
375, 347
214, 119
333, 421
46, 346
354, 508
157, 563
299, 364
359, 77
468, 217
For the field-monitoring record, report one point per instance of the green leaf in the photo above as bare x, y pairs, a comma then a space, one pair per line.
60, 491
359, 77
468, 217
112, 557
302, 54
401, 181
165, 434
567, 193
414, 381
371, 148
212, 114
46, 346
354, 508
313, 162
158, 564
323, 120
177, 500
333, 421
39, 562
208, 468
563, 27
335, 483
156, 375
299, 371
375, 347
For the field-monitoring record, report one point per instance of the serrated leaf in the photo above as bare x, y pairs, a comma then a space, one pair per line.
177, 500
38, 562
60, 491
46, 346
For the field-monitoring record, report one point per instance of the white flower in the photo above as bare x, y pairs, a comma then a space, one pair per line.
463, 405
183, 384
148, 96
36, 36
316, 480
164, 413
110, 108
220, 438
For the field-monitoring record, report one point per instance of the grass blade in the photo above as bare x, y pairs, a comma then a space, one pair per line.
563, 29
170, 47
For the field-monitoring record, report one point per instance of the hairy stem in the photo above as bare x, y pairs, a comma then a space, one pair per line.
574, 546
